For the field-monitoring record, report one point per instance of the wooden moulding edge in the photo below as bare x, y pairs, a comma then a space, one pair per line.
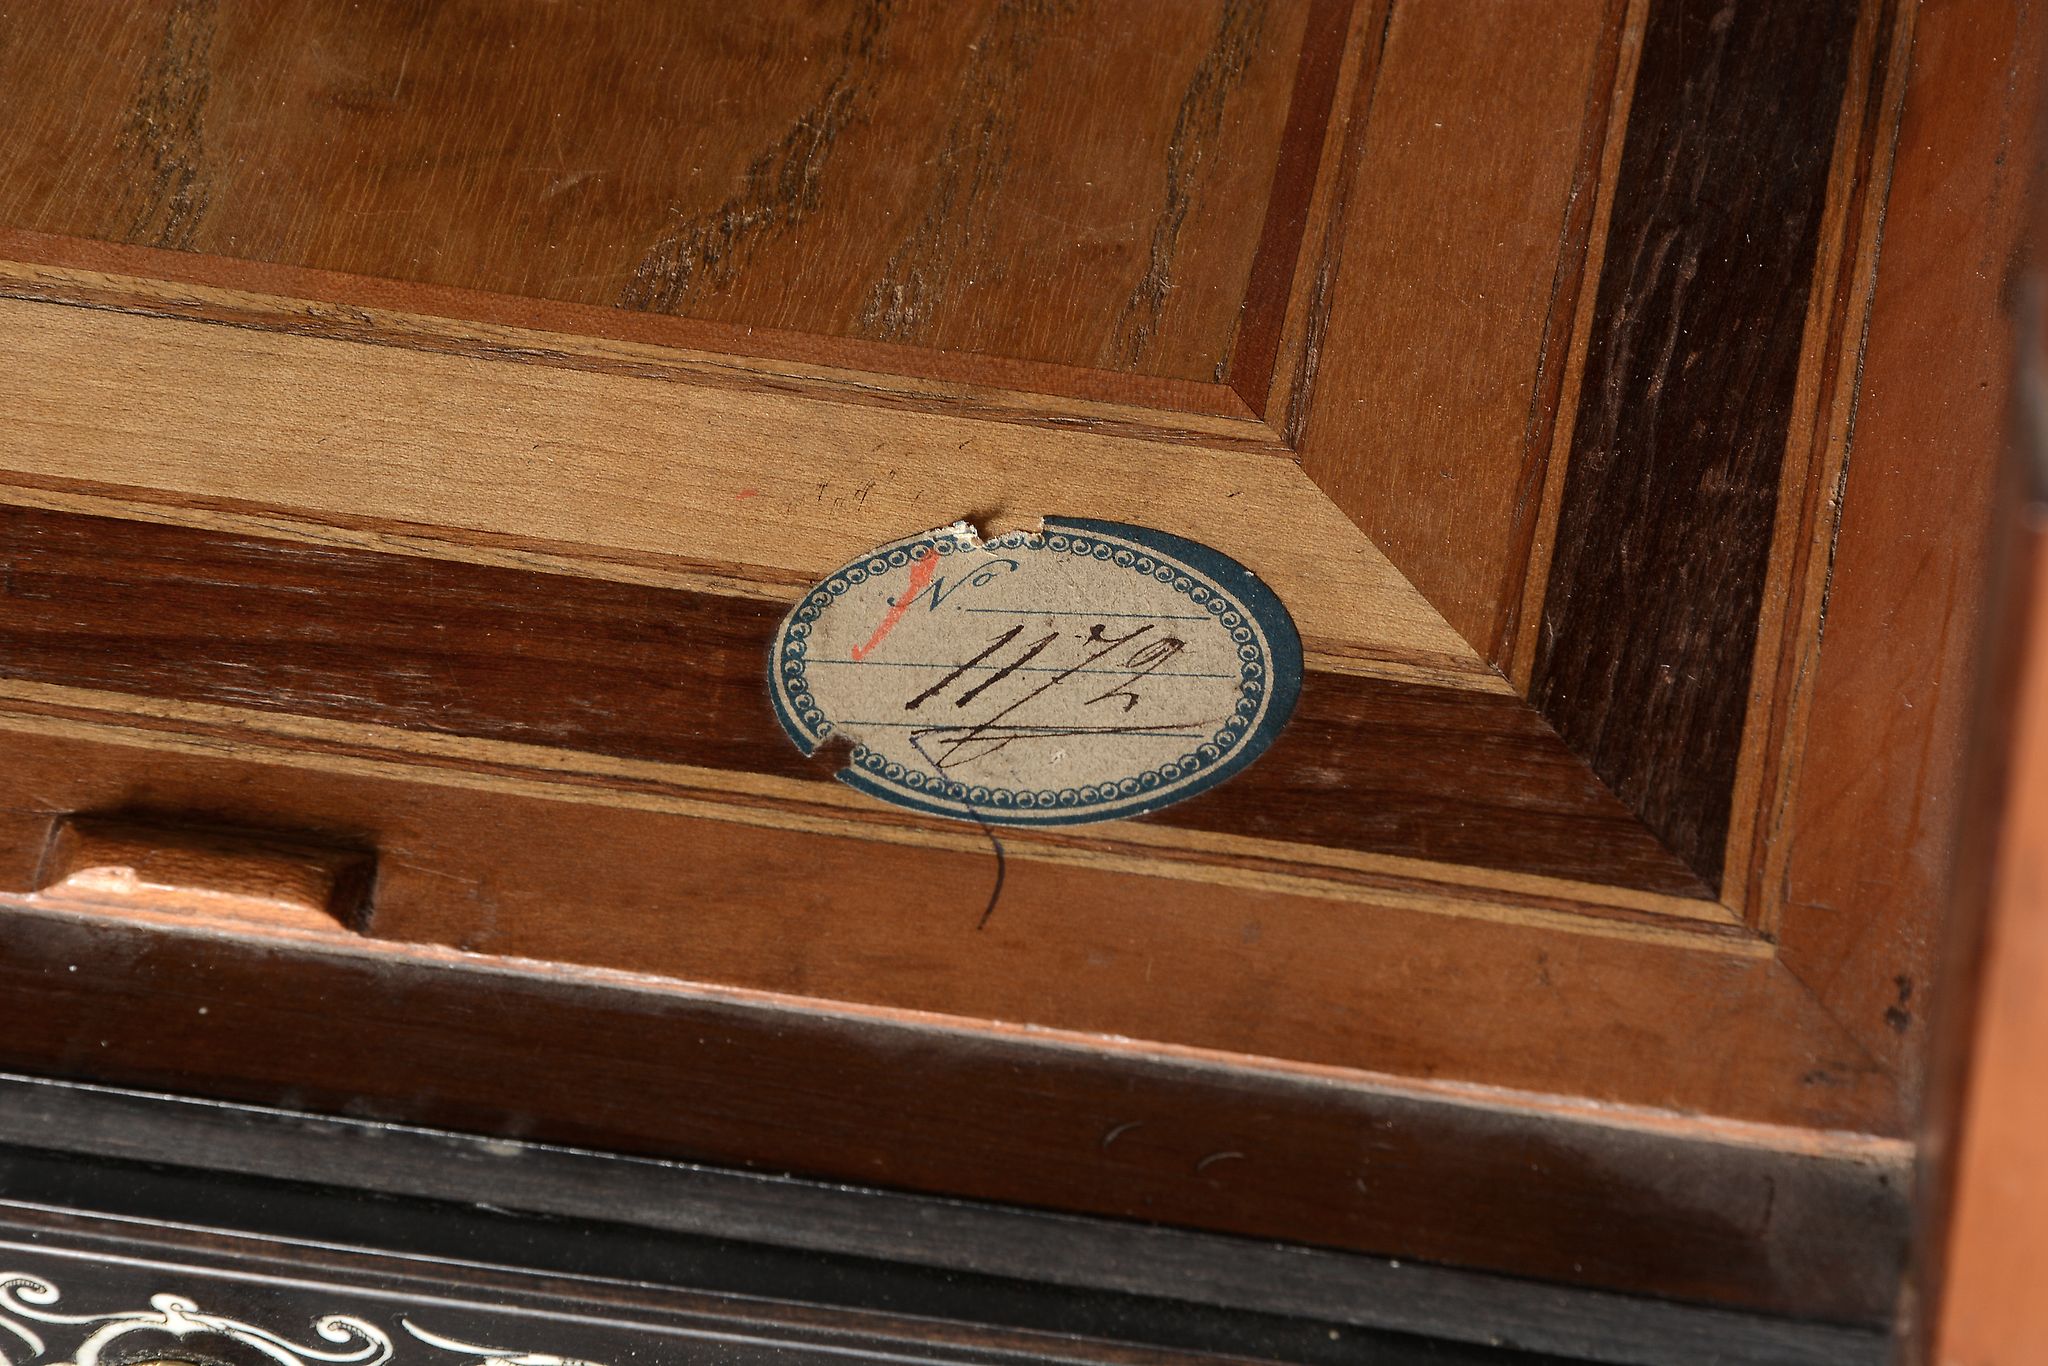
1760, 1216
189, 1144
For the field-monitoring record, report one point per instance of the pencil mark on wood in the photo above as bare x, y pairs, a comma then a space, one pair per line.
782, 186
980, 138
1664, 536
1196, 127
163, 140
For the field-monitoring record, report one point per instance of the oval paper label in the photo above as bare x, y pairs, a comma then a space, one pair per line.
1080, 673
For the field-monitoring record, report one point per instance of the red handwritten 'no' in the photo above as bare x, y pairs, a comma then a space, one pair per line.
921, 571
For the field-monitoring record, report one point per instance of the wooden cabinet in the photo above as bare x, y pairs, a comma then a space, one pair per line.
420, 420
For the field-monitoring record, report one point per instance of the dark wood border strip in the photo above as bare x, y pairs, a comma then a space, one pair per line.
668, 675
591, 1197
1649, 621
479, 1284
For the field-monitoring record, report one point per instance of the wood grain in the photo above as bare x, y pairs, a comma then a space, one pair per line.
1339, 56
465, 322
834, 920
321, 748
389, 458
1663, 538
1066, 181
1004, 1118
638, 672
1865, 851
1824, 413
1984, 1222
210, 874
1455, 271
1983, 1204
776, 486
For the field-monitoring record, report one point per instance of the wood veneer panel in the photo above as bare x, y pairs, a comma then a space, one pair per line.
1335, 64
1984, 1223
775, 486
1454, 280
440, 318
1663, 539
1693, 1023
315, 426
1079, 182
1981, 1205
1790, 626
639, 672
479, 1049
1865, 852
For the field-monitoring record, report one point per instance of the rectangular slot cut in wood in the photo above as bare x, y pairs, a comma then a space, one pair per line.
205, 873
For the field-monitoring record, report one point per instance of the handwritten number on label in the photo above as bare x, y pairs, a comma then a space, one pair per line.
1146, 659
1000, 674
983, 738
935, 689
925, 583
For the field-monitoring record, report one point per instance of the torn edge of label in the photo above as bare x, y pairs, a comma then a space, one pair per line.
834, 749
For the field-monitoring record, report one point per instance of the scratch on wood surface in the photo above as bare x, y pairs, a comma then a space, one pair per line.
781, 187
1119, 1131
1318, 321
163, 139
981, 129
1195, 129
